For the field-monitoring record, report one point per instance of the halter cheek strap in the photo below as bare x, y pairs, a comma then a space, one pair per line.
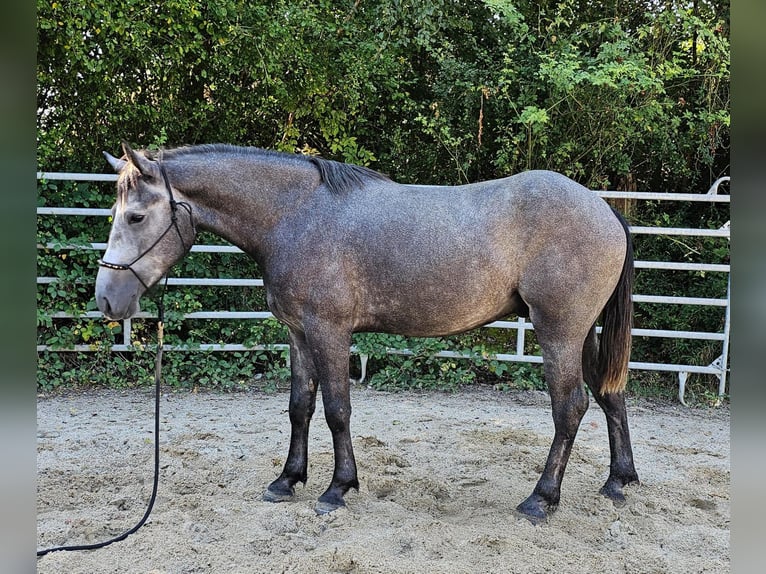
174, 205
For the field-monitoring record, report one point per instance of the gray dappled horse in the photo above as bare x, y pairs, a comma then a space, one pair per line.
344, 249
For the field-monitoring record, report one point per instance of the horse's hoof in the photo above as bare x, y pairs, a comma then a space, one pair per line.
535, 519
535, 509
614, 493
612, 489
277, 495
327, 504
323, 508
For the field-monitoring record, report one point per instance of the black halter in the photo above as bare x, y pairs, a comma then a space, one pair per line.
174, 205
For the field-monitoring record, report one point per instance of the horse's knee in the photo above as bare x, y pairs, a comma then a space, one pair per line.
338, 416
301, 410
302, 403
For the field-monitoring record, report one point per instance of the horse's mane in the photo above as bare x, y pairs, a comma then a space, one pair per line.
339, 177
344, 177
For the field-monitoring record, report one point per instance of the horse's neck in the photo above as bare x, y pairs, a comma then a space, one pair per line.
242, 198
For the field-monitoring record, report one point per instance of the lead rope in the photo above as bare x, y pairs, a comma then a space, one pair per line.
157, 380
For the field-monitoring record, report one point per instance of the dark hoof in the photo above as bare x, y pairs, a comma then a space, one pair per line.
613, 490
278, 494
535, 509
329, 502
327, 507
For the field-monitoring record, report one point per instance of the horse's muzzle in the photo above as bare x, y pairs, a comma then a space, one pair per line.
117, 297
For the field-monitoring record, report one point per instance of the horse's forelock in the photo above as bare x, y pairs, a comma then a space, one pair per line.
127, 179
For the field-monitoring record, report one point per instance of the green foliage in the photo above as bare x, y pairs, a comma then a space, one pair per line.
630, 96
523, 376
419, 369
408, 363
437, 91
98, 367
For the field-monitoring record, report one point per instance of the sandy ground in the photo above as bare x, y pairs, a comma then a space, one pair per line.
440, 476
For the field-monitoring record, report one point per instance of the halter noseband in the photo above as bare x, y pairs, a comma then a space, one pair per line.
174, 205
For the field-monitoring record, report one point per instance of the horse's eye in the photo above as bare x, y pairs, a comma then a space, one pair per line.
135, 218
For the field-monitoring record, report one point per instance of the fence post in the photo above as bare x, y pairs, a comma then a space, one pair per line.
520, 337
724, 358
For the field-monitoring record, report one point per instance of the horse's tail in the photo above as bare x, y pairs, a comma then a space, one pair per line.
614, 346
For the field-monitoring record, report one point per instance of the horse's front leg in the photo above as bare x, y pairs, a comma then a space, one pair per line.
303, 391
330, 350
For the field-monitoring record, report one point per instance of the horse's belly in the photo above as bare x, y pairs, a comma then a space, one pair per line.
434, 312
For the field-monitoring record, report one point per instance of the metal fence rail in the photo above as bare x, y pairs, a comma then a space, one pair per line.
718, 368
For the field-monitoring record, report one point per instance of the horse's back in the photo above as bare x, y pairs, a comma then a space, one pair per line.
531, 195
524, 213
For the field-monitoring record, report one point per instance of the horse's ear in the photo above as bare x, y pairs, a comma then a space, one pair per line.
146, 166
117, 164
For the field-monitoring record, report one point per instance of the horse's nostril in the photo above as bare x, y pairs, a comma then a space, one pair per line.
106, 308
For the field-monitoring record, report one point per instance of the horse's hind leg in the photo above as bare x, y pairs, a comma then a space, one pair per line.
563, 374
303, 391
622, 470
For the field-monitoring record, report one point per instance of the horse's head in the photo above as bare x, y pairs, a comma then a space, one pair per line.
151, 230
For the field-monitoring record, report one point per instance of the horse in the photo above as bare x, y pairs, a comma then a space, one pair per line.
345, 249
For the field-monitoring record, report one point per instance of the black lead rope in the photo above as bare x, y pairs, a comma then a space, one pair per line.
157, 380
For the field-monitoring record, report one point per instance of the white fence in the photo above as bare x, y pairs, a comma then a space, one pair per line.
717, 368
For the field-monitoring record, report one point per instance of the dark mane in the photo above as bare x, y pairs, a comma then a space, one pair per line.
344, 177
339, 177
